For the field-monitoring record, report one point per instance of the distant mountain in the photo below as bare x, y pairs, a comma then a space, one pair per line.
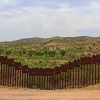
30, 40
81, 38
27, 40
38, 40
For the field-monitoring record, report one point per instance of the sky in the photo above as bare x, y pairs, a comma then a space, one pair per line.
48, 18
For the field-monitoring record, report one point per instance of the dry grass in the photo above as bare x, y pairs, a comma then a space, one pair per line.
92, 87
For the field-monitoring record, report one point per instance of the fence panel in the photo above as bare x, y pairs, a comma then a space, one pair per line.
79, 73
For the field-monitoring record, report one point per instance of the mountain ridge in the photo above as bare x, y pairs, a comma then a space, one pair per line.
38, 39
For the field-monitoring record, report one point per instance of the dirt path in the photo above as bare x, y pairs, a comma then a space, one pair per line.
29, 94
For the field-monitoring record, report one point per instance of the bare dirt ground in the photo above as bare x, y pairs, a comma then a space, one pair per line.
31, 94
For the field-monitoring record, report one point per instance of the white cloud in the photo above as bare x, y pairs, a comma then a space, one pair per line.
40, 21
7, 2
95, 4
6, 13
4, 1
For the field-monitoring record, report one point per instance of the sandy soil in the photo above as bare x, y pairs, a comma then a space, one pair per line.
30, 94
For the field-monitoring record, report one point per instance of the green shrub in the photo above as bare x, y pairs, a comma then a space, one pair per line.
63, 52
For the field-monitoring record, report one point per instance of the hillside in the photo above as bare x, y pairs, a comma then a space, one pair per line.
38, 40
50, 52
26, 40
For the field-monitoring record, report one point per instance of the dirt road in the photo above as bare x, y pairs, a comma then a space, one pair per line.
30, 94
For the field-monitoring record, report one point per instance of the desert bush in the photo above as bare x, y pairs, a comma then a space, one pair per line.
8, 52
1, 50
63, 52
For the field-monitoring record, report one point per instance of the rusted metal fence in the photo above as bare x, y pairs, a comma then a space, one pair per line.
77, 74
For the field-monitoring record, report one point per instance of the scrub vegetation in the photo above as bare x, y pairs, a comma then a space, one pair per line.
51, 52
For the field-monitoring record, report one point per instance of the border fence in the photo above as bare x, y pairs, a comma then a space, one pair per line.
77, 74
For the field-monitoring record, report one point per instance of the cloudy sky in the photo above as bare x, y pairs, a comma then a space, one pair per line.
48, 18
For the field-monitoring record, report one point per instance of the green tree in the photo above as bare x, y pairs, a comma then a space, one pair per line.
52, 53
39, 53
8, 52
20, 52
1, 50
24, 51
30, 53
63, 52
